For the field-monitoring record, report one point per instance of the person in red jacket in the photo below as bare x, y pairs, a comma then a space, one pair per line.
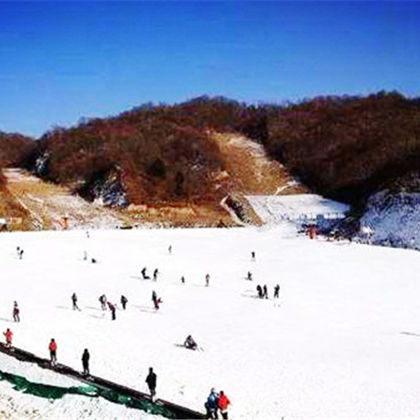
223, 403
53, 352
8, 335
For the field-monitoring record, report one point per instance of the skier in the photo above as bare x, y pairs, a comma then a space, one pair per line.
190, 343
249, 276
112, 309
223, 403
211, 404
259, 291
207, 280
53, 352
253, 255
155, 274
265, 292
143, 273
74, 300
276, 291
16, 311
85, 362
183, 280
102, 300
8, 336
124, 301
151, 383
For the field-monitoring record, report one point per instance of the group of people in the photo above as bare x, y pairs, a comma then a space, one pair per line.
146, 277
216, 402
263, 291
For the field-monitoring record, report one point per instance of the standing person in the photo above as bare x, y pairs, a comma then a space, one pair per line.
265, 291
151, 383
259, 291
276, 291
53, 352
253, 255
249, 276
102, 300
182, 279
85, 362
16, 311
211, 404
124, 301
223, 403
207, 280
20, 254
112, 309
8, 335
170, 249
74, 300
155, 274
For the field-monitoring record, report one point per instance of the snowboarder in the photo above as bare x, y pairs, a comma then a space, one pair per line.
183, 280
53, 352
8, 336
190, 343
102, 300
249, 276
253, 255
124, 301
207, 280
143, 273
74, 300
85, 362
259, 291
16, 311
112, 309
155, 274
276, 291
265, 291
223, 403
151, 383
211, 404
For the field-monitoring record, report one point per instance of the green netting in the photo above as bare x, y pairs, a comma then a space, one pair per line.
56, 392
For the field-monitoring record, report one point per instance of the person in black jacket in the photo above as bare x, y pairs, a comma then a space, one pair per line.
85, 362
151, 383
124, 301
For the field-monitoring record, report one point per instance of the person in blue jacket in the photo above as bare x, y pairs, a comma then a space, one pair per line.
211, 404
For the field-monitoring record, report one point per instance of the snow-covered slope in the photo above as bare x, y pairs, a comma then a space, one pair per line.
342, 340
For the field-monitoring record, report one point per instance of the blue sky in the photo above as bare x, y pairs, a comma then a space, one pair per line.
60, 61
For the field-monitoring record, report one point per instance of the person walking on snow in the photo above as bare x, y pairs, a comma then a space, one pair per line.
211, 404
223, 403
53, 352
276, 291
124, 301
85, 362
102, 300
112, 309
8, 336
16, 311
74, 300
151, 383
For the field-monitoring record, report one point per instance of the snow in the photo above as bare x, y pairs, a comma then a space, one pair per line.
342, 340
274, 209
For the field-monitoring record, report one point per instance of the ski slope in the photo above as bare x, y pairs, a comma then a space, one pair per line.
342, 341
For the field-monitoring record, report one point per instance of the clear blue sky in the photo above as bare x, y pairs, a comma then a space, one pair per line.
60, 61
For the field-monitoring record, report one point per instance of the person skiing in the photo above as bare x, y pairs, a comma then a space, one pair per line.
249, 276
74, 300
8, 335
276, 291
222, 404
211, 404
143, 273
16, 311
259, 291
53, 352
190, 343
85, 362
112, 309
124, 301
207, 280
151, 383
265, 291
102, 300
155, 274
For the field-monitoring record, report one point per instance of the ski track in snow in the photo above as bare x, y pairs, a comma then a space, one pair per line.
342, 340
